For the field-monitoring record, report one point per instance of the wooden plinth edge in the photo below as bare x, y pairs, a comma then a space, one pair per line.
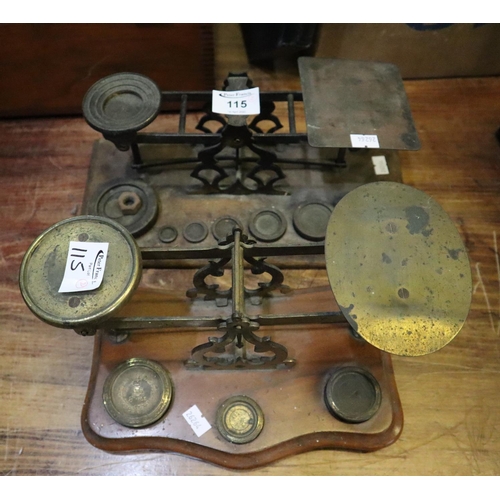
309, 441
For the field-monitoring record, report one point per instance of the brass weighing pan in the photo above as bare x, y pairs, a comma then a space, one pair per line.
398, 268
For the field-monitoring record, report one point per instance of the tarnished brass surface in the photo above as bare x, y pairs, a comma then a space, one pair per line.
240, 419
42, 271
352, 394
137, 393
121, 103
344, 97
310, 220
398, 268
130, 202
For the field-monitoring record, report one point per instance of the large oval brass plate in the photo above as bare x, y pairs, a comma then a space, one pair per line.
398, 268
42, 271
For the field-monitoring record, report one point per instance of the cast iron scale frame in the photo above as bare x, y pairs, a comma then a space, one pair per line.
234, 132
288, 375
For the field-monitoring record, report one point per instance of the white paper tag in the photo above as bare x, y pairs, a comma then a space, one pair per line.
236, 102
196, 420
380, 165
84, 266
364, 141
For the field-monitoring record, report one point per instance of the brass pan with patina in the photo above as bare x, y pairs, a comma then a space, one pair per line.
398, 268
43, 266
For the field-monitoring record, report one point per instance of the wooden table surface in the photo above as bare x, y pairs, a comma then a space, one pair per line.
450, 398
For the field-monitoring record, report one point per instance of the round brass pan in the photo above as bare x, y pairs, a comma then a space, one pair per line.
398, 268
121, 103
42, 271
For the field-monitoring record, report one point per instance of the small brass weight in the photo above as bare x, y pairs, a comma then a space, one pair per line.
390, 253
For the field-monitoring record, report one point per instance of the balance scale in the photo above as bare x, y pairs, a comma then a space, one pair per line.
248, 373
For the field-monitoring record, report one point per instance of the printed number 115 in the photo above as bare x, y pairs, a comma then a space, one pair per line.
237, 104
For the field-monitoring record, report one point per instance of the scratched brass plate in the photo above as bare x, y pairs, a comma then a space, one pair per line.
398, 268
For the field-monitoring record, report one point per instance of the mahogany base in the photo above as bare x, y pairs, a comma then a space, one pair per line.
296, 418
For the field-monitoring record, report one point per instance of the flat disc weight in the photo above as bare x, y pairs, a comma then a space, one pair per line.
398, 268
42, 272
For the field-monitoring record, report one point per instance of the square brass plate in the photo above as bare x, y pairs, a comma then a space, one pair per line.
355, 97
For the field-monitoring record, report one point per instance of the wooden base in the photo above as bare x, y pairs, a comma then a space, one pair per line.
296, 418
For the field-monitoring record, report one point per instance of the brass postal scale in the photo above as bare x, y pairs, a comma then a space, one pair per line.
179, 265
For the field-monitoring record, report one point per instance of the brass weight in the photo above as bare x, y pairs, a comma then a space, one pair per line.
240, 419
137, 393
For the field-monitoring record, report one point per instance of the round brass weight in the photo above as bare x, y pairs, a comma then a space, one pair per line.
268, 225
137, 393
310, 220
352, 394
398, 268
131, 203
43, 266
240, 419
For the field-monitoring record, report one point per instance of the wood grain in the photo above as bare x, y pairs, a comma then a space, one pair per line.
450, 398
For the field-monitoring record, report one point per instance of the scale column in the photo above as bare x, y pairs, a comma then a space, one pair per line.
238, 278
